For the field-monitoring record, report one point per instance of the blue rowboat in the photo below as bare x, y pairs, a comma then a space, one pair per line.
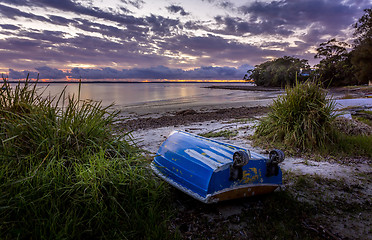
213, 171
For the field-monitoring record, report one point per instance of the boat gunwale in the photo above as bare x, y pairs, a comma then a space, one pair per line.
209, 198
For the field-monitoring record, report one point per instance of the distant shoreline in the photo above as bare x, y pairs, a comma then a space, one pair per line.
247, 88
42, 82
351, 92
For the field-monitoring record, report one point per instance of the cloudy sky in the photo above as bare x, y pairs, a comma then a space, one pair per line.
164, 39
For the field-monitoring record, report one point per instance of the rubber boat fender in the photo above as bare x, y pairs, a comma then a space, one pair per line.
276, 156
240, 159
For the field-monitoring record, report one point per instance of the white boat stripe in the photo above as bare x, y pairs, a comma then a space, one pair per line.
217, 157
223, 152
206, 160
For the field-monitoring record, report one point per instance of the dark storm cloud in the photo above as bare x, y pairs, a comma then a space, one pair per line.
284, 17
131, 43
159, 72
288, 14
238, 26
218, 72
161, 25
13, 74
61, 20
18, 44
197, 45
177, 9
125, 40
138, 33
9, 27
43, 72
47, 46
217, 50
51, 73
74, 7
46, 38
196, 25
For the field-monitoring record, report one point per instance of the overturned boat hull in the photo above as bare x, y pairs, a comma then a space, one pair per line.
213, 171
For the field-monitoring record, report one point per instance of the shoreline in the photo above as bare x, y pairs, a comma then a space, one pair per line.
224, 99
353, 91
190, 116
247, 88
260, 98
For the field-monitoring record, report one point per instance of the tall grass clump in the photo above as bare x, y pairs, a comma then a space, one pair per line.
64, 174
302, 118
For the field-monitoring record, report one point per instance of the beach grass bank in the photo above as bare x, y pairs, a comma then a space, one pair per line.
65, 174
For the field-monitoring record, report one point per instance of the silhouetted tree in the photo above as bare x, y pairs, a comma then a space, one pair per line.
362, 53
335, 68
363, 28
279, 72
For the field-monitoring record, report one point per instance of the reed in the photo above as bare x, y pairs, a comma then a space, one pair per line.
65, 174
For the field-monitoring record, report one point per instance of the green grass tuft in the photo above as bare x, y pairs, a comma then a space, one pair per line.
301, 118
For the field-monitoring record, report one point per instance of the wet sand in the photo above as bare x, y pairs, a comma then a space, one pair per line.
189, 116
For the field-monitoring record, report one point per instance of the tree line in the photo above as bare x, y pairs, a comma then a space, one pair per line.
341, 64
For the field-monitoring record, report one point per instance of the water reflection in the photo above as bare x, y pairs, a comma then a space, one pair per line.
152, 96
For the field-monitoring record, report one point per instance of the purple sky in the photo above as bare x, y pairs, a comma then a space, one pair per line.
164, 39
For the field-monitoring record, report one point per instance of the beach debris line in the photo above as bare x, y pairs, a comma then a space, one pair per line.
212, 171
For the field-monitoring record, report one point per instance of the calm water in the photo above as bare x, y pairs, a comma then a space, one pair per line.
144, 98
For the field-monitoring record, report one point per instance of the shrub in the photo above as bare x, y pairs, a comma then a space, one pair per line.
302, 118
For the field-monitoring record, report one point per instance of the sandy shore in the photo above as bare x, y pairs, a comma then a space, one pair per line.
158, 109
190, 116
